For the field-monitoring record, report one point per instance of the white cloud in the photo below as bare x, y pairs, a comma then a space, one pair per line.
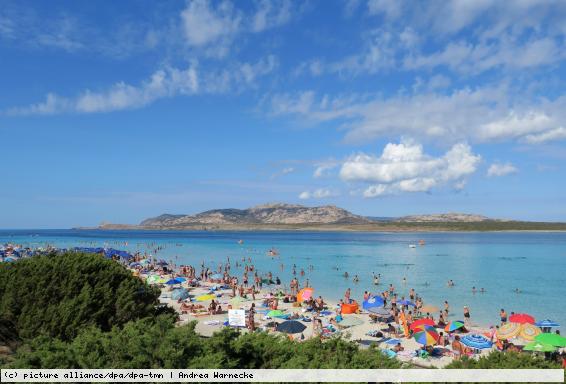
405, 167
204, 24
323, 169
320, 193
483, 114
163, 83
270, 14
497, 169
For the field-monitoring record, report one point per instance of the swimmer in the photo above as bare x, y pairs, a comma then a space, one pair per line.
356, 279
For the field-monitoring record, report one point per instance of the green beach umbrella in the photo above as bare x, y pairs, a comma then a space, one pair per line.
551, 339
536, 346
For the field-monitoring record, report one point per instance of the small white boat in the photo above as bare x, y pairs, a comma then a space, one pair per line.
412, 245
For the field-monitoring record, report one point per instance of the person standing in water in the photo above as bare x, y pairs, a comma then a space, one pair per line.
466, 315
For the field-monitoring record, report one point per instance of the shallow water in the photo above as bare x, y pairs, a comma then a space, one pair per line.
499, 262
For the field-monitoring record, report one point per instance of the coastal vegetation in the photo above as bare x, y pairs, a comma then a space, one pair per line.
77, 310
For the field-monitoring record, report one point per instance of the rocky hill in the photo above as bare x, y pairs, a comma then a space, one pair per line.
444, 218
262, 214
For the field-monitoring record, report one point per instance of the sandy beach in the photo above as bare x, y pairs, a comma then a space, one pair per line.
208, 324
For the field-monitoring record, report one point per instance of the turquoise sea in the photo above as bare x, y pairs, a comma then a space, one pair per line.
498, 262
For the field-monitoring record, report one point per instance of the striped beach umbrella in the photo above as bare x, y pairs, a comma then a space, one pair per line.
521, 318
508, 331
454, 325
426, 335
547, 323
529, 331
552, 339
476, 341
421, 322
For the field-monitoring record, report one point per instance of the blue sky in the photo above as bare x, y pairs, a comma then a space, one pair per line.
125, 110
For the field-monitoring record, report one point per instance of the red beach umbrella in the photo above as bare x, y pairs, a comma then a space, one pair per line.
521, 318
421, 322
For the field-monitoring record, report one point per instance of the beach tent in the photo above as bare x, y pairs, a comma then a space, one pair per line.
508, 331
290, 326
552, 339
537, 346
373, 301
179, 294
476, 341
304, 294
529, 331
521, 318
426, 335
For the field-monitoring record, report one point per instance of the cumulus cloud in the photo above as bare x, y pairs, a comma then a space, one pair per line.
320, 193
404, 167
166, 82
497, 169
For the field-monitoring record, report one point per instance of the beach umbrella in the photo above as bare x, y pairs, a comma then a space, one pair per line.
276, 313
205, 297
351, 321
454, 325
508, 331
179, 294
380, 311
521, 318
373, 301
552, 339
421, 322
291, 326
426, 335
173, 282
429, 309
547, 324
476, 341
529, 331
181, 279
537, 346
304, 294
406, 302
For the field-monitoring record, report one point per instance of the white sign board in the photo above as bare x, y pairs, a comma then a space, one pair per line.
237, 317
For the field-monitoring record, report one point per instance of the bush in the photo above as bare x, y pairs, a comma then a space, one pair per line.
157, 343
510, 360
58, 295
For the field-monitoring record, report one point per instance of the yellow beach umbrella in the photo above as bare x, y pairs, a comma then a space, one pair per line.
508, 331
529, 331
205, 297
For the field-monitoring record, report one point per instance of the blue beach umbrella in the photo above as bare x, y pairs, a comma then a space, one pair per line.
547, 323
181, 279
406, 302
476, 341
374, 301
173, 282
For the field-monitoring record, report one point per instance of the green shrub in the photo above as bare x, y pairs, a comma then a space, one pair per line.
509, 360
58, 295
